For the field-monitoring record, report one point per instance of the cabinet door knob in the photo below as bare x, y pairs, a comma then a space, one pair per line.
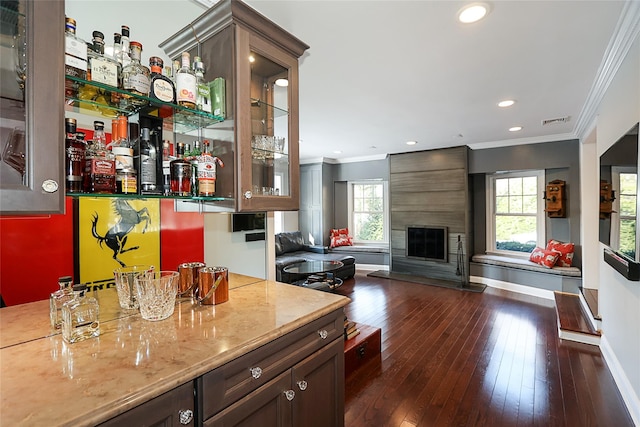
248, 194
256, 372
289, 394
186, 416
302, 385
49, 186
323, 334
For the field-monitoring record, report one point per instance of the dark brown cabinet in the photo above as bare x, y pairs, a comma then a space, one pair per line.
31, 107
258, 63
172, 409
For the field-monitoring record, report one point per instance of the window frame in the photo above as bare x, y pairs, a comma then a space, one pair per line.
616, 171
385, 211
491, 211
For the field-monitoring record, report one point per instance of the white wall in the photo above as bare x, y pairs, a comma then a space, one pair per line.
222, 247
142, 16
619, 299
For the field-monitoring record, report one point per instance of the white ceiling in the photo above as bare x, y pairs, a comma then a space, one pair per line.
380, 73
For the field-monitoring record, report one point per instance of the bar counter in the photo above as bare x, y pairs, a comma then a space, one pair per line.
46, 382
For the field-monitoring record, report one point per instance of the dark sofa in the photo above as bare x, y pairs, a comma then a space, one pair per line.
290, 248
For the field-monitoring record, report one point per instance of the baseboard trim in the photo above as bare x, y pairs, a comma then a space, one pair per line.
631, 400
587, 312
513, 287
371, 267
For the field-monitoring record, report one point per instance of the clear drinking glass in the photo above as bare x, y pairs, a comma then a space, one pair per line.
156, 292
124, 278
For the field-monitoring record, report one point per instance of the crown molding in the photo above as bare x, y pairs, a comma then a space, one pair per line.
624, 35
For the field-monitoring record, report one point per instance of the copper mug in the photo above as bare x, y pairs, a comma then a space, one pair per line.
213, 285
188, 281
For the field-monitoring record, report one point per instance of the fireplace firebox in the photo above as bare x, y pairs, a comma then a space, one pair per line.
427, 242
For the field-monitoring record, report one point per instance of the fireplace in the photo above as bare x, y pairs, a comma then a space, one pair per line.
429, 243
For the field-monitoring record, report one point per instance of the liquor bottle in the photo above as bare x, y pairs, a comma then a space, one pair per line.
114, 51
203, 95
162, 87
180, 172
166, 169
218, 97
101, 68
136, 78
74, 157
75, 57
193, 158
125, 57
121, 146
100, 166
80, 316
126, 181
186, 84
207, 172
58, 298
147, 168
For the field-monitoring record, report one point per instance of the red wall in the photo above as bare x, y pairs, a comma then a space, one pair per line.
36, 250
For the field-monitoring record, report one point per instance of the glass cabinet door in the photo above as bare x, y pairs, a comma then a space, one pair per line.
31, 130
269, 127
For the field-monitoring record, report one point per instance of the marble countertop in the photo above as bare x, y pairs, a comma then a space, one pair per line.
46, 382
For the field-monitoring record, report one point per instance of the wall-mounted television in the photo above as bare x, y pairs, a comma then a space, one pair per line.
248, 221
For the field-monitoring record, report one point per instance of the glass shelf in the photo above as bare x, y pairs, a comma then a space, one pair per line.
9, 21
277, 111
151, 196
95, 98
260, 154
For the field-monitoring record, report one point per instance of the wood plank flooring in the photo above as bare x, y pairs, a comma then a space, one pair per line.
454, 358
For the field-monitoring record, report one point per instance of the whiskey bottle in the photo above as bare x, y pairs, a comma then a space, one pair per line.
121, 146
147, 167
101, 68
180, 172
74, 157
57, 299
207, 172
166, 169
100, 166
136, 78
75, 57
203, 95
162, 87
186, 84
80, 316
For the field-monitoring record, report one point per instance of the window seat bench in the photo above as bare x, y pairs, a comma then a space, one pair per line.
496, 269
365, 254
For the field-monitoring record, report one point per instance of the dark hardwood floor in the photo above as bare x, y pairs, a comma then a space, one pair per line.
454, 358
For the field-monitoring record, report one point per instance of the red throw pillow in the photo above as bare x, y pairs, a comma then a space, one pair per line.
544, 257
565, 250
338, 231
341, 240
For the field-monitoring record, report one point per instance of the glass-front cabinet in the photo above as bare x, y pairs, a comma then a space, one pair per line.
31, 107
254, 67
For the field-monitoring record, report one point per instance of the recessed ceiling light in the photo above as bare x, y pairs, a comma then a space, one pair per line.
506, 103
412, 142
473, 12
515, 129
337, 152
282, 82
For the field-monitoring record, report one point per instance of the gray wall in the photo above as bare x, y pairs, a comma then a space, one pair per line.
560, 160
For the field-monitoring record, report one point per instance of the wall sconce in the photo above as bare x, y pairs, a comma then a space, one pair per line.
607, 196
554, 197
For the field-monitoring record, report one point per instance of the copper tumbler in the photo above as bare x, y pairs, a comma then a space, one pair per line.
213, 285
188, 281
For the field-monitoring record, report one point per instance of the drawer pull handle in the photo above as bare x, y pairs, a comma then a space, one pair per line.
186, 416
256, 372
302, 385
323, 334
289, 394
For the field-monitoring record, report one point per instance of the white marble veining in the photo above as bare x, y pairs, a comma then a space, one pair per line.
45, 381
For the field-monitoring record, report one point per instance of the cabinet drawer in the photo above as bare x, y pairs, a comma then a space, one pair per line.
230, 382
